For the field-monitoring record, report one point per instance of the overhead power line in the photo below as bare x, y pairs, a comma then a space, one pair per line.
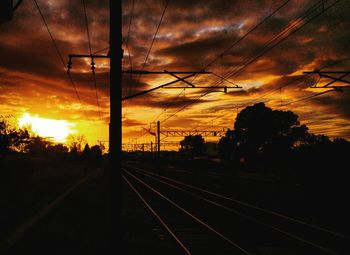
231, 46
87, 27
288, 31
225, 52
92, 60
101, 50
127, 42
57, 50
228, 49
131, 66
130, 21
154, 38
226, 77
265, 50
131, 91
300, 78
309, 97
237, 42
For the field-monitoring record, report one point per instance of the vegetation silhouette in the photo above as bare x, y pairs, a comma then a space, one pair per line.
274, 143
262, 137
193, 145
12, 138
16, 140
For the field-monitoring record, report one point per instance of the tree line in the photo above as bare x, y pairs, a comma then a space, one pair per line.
274, 142
15, 139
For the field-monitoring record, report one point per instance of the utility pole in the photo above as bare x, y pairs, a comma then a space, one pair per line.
115, 125
158, 138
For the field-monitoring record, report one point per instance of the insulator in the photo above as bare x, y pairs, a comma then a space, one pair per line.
69, 65
93, 65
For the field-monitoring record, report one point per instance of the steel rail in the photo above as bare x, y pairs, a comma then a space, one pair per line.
188, 213
157, 216
250, 218
267, 211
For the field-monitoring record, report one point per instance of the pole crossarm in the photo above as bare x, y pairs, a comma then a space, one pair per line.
331, 76
183, 133
172, 73
71, 56
179, 78
206, 87
91, 56
155, 88
163, 72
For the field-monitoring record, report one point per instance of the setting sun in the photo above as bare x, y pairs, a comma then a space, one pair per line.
57, 129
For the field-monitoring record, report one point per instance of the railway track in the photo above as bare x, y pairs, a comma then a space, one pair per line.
250, 229
190, 232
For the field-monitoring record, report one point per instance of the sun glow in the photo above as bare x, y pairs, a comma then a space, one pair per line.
57, 129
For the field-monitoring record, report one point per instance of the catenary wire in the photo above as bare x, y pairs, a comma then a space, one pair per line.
92, 60
57, 50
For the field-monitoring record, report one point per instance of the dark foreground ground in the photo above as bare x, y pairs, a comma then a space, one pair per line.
51, 206
326, 208
39, 216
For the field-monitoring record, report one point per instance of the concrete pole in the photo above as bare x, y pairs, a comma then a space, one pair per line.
115, 125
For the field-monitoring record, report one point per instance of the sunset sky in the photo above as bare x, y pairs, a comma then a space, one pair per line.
33, 81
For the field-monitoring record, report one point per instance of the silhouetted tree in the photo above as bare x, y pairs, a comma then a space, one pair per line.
317, 140
73, 152
193, 144
76, 142
96, 153
225, 145
86, 152
102, 147
37, 146
57, 149
12, 138
263, 138
4, 137
259, 127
